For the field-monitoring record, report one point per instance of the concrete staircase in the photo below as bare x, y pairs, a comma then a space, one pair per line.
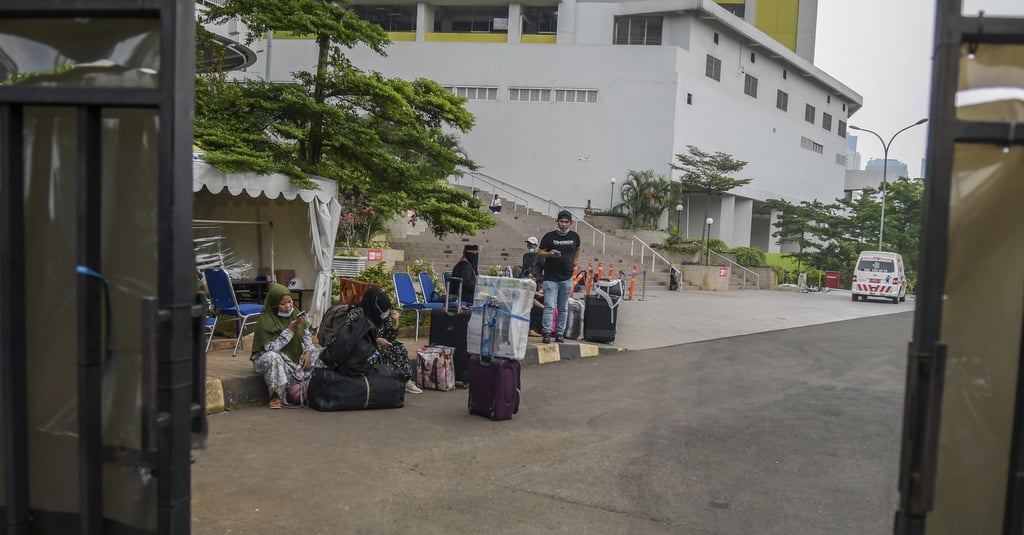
504, 245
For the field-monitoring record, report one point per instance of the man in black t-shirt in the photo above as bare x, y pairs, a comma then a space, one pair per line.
560, 250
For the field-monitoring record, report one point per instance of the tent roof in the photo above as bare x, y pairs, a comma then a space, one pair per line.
270, 186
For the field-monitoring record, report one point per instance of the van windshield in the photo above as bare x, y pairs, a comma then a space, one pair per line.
877, 266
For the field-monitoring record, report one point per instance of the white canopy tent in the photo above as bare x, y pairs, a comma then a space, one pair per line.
304, 224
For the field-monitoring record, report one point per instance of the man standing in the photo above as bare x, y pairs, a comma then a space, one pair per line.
560, 250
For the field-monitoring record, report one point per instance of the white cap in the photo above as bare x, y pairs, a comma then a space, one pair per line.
532, 240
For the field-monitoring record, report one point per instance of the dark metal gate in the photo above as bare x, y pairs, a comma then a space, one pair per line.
102, 371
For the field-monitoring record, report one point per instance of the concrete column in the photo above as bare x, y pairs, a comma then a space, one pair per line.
515, 23
742, 218
773, 244
424, 20
761, 232
566, 22
725, 221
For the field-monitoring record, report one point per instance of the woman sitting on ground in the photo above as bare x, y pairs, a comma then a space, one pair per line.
376, 306
282, 348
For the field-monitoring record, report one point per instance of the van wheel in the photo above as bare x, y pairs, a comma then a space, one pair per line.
854, 296
902, 299
895, 300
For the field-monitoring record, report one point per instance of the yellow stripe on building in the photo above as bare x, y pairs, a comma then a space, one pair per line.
545, 39
466, 37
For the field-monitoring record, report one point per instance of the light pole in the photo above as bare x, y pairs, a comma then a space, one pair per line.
885, 168
611, 196
679, 214
707, 253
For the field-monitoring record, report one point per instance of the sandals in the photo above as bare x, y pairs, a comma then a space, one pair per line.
275, 402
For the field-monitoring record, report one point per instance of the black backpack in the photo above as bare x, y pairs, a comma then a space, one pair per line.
350, 349
332, 321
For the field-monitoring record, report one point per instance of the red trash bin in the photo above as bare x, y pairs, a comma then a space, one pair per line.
832, 279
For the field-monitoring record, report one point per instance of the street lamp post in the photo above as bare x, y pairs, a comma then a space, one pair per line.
679, 214
885, 168
611, 196
707, 239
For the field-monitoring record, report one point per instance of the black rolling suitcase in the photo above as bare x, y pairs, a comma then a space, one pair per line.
601, 314
449, 327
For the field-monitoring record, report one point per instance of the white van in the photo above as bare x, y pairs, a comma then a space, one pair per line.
879, 274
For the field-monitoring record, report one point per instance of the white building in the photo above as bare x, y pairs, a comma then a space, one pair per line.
570, 94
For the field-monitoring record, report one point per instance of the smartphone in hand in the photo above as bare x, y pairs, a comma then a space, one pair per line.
302, 314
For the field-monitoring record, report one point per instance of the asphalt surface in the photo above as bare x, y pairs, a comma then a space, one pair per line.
790, 432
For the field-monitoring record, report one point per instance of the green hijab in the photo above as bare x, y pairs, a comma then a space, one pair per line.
269, 325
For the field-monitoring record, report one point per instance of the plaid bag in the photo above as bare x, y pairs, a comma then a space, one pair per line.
436, 370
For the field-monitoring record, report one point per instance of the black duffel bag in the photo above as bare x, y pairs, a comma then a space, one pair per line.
380, 388
351, 347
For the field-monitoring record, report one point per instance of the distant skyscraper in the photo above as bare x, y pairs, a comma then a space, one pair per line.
895, 169
852, 156
922, 167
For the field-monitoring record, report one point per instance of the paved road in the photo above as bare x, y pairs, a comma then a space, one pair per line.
790, 432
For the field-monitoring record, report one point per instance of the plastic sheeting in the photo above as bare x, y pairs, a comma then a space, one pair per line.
512, 299
305, 223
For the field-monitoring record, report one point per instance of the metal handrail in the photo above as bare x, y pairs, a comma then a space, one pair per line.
757, 278
655, 255
521, 196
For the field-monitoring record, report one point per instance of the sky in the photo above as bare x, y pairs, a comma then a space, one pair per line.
881, 49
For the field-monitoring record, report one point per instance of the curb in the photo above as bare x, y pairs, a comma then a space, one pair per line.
241, 391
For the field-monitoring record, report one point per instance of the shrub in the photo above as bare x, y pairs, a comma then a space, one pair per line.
749, 256
718, 245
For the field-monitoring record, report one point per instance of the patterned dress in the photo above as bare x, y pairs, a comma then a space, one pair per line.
396, 358
279, 371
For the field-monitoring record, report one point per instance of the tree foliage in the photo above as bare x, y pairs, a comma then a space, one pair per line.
829, 237
644, 198
707, 173
389, 142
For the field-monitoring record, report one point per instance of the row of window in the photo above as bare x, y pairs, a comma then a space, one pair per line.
526, 94
461, 19
713, 70
811, 145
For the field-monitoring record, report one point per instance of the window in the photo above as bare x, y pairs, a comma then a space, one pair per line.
783, 74
809, 114
826, 121
842, 129
753, 57
471, 19
782, 100
811, 145
841, 159
539, 19
716, 38
828, 99
844, 106
529, 94
636, 30
588, 96
474, 93
395, 18
689, 98
750, 86
736, 9
713, 69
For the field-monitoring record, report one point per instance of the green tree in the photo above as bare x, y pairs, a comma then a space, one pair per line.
793, 227
707, 174
643, 198
389, 141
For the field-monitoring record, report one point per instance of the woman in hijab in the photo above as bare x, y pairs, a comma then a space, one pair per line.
282, 348
392, 353
466, 269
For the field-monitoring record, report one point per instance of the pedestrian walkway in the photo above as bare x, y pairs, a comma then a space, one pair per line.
660, 319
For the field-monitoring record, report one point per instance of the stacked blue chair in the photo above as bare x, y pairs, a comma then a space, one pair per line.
405, 292
222, 295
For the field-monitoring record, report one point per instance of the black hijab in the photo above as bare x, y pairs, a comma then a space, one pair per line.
376, 306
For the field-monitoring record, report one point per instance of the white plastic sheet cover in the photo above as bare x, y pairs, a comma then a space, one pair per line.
512, 299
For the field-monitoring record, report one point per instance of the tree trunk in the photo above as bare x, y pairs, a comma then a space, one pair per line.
316, 124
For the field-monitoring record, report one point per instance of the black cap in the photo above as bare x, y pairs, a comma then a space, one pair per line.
565, 214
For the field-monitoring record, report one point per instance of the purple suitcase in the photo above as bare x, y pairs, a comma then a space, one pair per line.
493, 387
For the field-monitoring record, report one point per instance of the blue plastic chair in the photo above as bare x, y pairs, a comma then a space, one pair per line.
447, 276
222, 295
405, 292
427, 285
209, 327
